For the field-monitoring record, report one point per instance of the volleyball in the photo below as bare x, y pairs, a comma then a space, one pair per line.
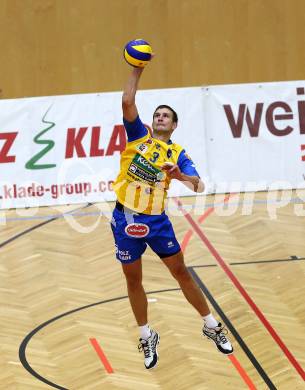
137, 53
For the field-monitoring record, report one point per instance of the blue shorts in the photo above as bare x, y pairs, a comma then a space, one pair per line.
132, 232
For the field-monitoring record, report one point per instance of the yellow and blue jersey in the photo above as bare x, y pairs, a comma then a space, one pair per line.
141, 184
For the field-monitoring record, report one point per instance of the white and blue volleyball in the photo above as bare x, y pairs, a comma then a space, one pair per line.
137, 53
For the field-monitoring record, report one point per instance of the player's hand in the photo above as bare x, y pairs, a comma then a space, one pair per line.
172, 170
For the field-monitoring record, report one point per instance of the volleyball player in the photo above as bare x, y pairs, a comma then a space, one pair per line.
148, 164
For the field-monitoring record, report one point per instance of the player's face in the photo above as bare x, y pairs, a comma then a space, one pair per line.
163, 120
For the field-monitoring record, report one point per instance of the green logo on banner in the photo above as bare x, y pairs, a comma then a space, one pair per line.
32, 163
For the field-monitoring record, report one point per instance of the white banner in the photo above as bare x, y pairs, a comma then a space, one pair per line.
66, 149
255, 136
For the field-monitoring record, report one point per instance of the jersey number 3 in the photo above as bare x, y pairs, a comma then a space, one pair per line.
154, 157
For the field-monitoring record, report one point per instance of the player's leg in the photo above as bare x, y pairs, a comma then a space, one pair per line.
132, 269
149, 339
136, 293
211, 329
165, 244
129, 251
189, 287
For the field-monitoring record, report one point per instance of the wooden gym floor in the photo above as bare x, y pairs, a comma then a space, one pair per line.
66, 322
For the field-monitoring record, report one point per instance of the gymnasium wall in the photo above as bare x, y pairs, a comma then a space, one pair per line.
55, 47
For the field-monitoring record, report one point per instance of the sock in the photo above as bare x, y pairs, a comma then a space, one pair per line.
210, 321
144, 331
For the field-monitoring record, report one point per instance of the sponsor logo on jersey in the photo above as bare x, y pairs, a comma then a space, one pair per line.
142, 148
123, 255
169, 153
133, 168
137, 230
141, 175
144, 163
142, 169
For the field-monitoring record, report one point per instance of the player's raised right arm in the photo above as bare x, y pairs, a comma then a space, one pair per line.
129, 107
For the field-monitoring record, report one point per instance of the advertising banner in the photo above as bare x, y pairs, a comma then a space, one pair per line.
255, 136
66, 149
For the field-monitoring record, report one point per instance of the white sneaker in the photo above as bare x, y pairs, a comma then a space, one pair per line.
149, 347
218, 335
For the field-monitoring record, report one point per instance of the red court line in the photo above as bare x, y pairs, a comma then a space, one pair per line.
189, 233
242, 291
207, 213
101, 355
211, 209
186, 240
242, 372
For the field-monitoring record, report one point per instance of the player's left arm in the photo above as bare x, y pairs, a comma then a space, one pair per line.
185, 172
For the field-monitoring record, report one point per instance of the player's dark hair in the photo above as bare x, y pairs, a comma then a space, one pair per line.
175, 116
